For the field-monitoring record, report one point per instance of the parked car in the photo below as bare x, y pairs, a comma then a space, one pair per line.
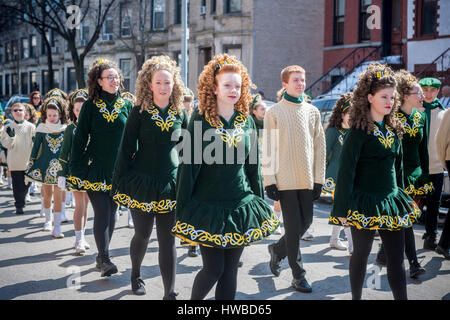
325, 104
16, 98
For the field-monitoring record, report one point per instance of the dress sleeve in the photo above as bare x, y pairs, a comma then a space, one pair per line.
351, 151
37, 145
331, 137
64, 156
399, 167
252, 165
76, 164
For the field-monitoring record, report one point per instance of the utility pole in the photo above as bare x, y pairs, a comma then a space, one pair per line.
184, 40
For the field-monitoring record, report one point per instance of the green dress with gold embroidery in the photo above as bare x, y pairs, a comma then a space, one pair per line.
147, 163
415, 153
370, 189
44, 164
219, 192
101, 123
335, 140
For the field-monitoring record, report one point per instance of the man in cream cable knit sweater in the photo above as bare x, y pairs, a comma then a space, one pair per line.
18, 139
293, 168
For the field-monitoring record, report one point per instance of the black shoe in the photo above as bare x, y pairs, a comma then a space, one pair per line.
138, 286
443, 251
381, 259
429, 243
98, 263
107, 269
19, 211
275, 261
192, 252
415, 270
301, 285
171, 296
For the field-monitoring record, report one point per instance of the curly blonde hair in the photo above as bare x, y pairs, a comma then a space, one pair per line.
376, 77
144, 96
207, 81
336, 114
405, 83
95, 73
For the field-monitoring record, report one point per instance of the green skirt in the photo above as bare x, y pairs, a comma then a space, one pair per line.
218, 226
393, 212
93, 178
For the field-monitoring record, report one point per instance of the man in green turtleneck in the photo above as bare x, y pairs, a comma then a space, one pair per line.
435, 113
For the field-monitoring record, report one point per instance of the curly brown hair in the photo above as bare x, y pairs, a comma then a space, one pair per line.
405, 83
376, 77
144, 96
48, 104
95, 73
32, 111
71, 104
337, 113
207, 81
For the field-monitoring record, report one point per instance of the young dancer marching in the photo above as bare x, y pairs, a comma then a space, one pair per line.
101, 122
146, 169
220, 201
334, 135
369, 193
44, 163
76, 100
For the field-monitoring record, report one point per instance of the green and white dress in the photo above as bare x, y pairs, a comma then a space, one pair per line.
370, 189
96, 142
44, 159
220, 200
415, 153
147, 163
335, 140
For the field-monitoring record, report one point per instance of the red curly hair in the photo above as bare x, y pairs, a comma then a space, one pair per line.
207, 81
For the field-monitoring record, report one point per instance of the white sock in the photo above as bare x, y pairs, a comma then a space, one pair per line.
278, 214
78, 236
57, 225
47, 213
348, 234
335, 231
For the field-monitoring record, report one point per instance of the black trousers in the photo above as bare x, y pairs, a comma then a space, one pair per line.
219, 266
167, 255
433, 202
444, 241
394, 245
20, 189
297, 208
104, 221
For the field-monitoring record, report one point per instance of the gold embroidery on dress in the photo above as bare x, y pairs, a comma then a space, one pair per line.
160, 122
51, 172
163, 206
386, 140
411, 130
54, 143
236, 134
110, 116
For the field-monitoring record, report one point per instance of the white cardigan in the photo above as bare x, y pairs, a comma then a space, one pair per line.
19, 147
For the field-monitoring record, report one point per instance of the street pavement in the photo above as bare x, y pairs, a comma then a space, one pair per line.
34, 266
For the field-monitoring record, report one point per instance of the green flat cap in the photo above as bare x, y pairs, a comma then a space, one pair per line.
430, 82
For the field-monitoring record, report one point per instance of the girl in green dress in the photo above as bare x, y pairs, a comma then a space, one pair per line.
369, 193
76, 100
220, 200
415, 157
335, 133
44, 163
146, 169
94, 150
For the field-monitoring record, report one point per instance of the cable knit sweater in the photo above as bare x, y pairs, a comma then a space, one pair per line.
19, 146
443, 139
293, 146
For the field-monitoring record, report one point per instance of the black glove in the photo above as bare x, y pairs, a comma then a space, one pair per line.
317, 191
10, 131
272, 192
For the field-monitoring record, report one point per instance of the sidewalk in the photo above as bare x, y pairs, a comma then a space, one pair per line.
35, 266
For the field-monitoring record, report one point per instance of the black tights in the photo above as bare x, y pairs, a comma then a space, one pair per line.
410, 246
221, 266
167, 255
394, 246
104, 221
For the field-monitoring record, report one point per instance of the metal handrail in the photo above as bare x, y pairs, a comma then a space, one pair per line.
432, 63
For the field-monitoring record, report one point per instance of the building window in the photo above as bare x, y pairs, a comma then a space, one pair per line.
1, 85
33, 46
7, 51
7, 84
203, 8
71, 79
33, 81
125, 21
233, 50
339, 17
232, 6
44, 81
55, 78
108, 29
125, 67
364, 32
24, 83
159, 14
15, 50
428, 17
15, 83
213, 6
1, 53
178, 9
204, 57
25, 48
